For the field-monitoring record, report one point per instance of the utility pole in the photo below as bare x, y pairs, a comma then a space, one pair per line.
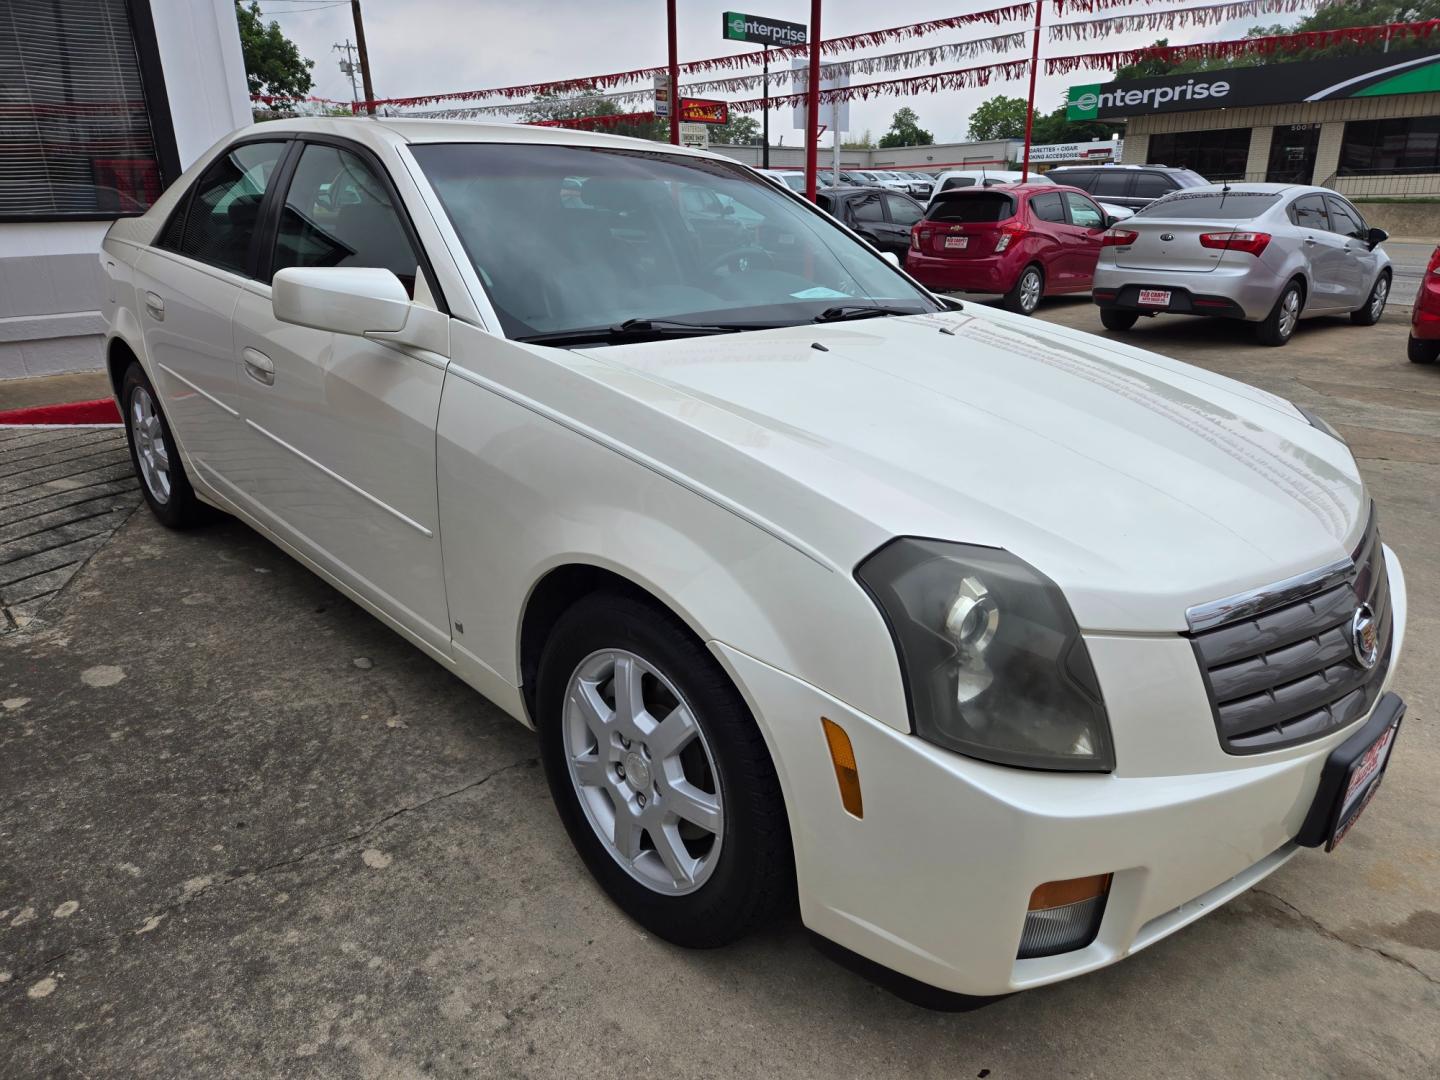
347, 66
364, 57
674, 74
1030, 101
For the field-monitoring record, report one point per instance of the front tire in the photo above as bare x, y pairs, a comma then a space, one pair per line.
1422, 352
154, 455
660, 774
1116, 319
1025, 296
1277, 328
1374, 307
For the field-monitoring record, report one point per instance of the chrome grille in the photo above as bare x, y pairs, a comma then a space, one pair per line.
1282, 669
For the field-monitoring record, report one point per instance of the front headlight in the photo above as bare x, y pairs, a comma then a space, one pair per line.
993, 661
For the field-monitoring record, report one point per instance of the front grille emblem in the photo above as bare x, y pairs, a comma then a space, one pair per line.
1363, 637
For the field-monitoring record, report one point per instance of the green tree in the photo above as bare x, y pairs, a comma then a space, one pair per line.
999, 117
1054, 127
273, 64
905, 130
741, 130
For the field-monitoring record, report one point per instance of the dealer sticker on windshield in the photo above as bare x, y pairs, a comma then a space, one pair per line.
1155, 297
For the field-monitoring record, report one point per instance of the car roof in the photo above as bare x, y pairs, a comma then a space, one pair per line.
1120, 165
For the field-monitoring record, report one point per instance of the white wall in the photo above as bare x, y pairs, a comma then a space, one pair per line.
204, 71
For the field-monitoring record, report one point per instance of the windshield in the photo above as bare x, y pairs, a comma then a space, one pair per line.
568, 238
1212, 205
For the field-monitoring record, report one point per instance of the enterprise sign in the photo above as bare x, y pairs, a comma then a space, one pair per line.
1371, 75
739, 27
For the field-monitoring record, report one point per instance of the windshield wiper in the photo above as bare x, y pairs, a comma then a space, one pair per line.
630, 330
846, 312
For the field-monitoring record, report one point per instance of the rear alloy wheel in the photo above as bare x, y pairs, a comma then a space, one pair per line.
660, 774
1024, 298
1116, 319
1422, 352
1277, 327
1374, 307
157, 462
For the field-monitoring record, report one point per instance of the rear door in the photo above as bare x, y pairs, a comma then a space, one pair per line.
1331, 271
341, 429
865, 213
187, 287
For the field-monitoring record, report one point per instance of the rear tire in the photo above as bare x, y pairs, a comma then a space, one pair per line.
1422, 352
1374, 307
615, 796
1025, 296
1116, 319
1279, 326
155, 457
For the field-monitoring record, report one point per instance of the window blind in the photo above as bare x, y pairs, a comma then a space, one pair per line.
75, 133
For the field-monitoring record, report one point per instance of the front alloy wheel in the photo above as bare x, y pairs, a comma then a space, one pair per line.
660, 774
1374, 307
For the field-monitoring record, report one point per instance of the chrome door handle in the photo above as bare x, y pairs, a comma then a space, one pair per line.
155, 306
258, 366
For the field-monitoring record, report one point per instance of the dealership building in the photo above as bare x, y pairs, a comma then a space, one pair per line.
1366, 125
102, 104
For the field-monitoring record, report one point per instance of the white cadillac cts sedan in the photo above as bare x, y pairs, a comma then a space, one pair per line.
1005, 649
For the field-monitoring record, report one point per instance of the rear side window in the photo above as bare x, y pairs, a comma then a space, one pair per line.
1081, 178
1047, 207
867, 208
338, 213
976, 208
1109, 182
903, 211
1149, 185
225, 208
1212, 205
1308, 212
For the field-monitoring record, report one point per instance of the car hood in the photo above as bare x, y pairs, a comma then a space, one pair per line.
1139, 484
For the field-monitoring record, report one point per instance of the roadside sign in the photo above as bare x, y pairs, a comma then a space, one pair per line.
696, 135
704, 111
662, 95
761, 31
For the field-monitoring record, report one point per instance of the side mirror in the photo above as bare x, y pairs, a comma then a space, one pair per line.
726, 209
891, 258
363, 301
1376, 238
1109, 222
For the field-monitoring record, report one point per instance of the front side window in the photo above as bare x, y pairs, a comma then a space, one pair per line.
1084, 214
624, 250
74, 118
1344, 221
338, 213
224, 210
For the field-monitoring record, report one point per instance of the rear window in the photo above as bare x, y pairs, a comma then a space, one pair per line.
972, 206
1212, 205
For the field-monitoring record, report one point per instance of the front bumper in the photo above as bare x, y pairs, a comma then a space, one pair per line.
1239, 293
934, 881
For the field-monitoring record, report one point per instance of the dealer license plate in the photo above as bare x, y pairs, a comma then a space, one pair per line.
1155, 297
957, 243
1364, 781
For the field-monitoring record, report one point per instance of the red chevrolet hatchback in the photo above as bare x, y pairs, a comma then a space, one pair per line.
1425, 315
1023, 240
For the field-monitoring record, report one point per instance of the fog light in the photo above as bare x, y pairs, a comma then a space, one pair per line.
1064, 916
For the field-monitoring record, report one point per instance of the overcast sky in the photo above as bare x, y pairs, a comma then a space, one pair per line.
425, 46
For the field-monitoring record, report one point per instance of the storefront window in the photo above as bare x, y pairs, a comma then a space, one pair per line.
75, 133
1219, 154
1408, 144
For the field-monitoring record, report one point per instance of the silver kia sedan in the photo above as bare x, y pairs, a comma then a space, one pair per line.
1270, 254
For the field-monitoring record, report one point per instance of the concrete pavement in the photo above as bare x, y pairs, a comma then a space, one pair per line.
247, 831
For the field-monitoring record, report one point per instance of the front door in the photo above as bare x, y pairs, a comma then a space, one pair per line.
341, 429
1087, 225
1292, 153
903, 214
1330, 270
1361, 264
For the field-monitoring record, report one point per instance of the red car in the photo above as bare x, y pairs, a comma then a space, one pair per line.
1023, 240
1425, 315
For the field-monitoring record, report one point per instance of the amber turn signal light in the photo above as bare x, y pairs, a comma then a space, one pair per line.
1055, 894
847, 775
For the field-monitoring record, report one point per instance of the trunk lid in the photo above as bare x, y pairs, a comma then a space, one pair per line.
1169, 244
967, 223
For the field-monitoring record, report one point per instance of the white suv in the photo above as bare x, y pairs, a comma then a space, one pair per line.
1007, 650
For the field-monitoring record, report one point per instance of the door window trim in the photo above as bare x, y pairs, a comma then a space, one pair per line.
267, 233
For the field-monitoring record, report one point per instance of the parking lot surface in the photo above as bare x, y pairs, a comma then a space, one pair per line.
247, 831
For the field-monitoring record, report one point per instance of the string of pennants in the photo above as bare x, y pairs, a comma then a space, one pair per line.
974, 76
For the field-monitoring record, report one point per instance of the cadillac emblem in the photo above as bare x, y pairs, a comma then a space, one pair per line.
1364, 637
